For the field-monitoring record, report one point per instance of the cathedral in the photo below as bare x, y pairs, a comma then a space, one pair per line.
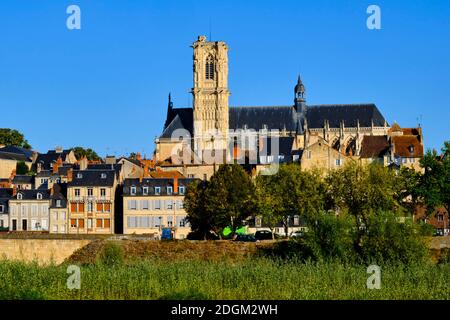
195, 140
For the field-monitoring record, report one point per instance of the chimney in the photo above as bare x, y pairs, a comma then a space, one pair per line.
14, 191
13, 174
57, 164
70, 175
83, 163
175, 185
59, 149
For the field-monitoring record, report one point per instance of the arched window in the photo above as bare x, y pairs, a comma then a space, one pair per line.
209, 72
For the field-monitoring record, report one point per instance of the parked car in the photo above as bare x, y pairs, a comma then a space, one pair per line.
263, 235
297, 234
245, 238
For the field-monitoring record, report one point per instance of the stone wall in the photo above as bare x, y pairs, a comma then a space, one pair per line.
43, 251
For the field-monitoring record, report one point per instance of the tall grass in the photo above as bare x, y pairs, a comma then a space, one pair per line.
259, 278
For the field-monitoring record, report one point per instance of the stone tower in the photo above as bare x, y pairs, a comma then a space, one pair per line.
210, 95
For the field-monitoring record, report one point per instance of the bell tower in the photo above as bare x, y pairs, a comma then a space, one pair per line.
210, 95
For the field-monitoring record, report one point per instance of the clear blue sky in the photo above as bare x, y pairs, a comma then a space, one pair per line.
106, 85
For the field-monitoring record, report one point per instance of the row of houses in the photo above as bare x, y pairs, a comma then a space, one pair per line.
67, 196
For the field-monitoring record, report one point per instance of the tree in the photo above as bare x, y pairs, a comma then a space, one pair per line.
12, 137
434, 184
21, 168
202, 222
291, 192
90, 154
362, 190
230, 197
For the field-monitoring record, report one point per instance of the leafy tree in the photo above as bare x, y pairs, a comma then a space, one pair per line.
12, 137
230, 196
407, 184
90, 154
434, 184
290, 192
202, 221
21, 168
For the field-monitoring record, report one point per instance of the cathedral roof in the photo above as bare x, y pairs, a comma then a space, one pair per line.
349, 113
271, 118
181, 118
283, 117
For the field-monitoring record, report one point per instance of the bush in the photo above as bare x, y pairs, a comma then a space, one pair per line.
112, 254
389, 241
330, 237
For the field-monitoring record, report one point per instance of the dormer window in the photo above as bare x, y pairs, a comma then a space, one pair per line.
58, 203
181, 190
103, 175
133, 190
411, 149
19, 196
145, 190
169, 190
39, 196
157, 190
79, 176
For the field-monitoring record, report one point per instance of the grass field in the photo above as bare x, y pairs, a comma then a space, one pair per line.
258, 278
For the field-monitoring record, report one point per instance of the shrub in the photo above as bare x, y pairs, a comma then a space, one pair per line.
389, 241
112, 254
330, 237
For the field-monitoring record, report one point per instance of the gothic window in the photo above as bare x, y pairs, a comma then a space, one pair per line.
209, 72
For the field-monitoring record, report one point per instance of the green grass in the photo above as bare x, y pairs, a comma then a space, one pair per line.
250, 279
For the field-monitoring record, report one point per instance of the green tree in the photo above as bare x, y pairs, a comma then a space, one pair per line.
81, 152
12, 137
202, 222
291, 192
21, 168
231, 197
434, 184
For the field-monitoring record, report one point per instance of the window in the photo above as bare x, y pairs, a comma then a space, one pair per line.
144, 205
182, 223
296, 220
89, 224
107, 207
133, 190
90, 192
77, 192
180, 204
62, 216
209, 70
103, 192
99, 223
103, 176
90, 207
2, 208
169, 190
338, 162
145, 190
34, 210
158, 204
132, 204
58, 203
106, 223
99, 207
440, 217
181, 190
55, 228
19, 196
169, 205
170, 221
73, 207
157, 190
79, 176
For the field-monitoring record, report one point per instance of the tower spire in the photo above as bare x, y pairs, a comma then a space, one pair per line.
300, 101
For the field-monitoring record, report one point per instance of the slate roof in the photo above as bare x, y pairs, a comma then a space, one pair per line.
51, 156
374, 146
151, 183
283, 117
180, 118
13, 156
17, 150
5, 196
274, 118
21, 179
59, 193
93, 178
32, 194
349, 113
